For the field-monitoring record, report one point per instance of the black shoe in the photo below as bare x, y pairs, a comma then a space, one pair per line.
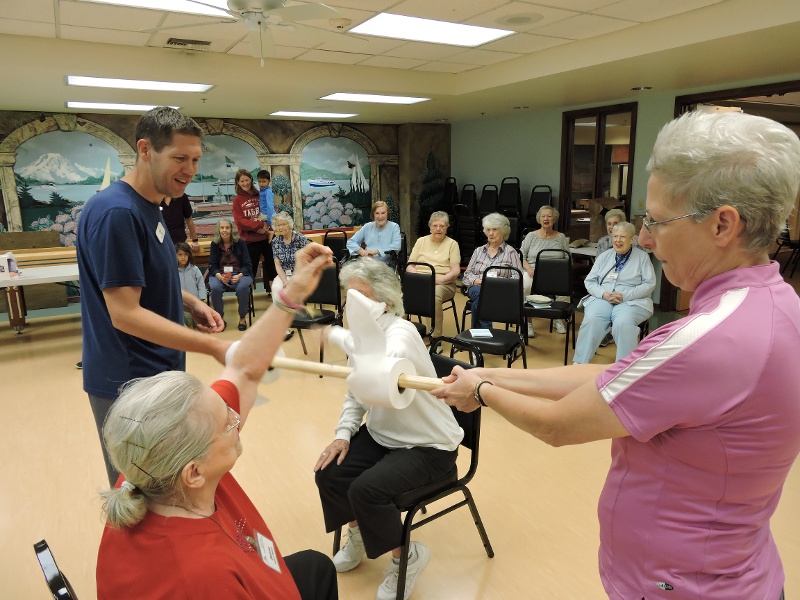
242, 326
606, 340
289, 335
79, 365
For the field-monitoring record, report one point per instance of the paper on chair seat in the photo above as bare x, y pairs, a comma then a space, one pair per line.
480, 333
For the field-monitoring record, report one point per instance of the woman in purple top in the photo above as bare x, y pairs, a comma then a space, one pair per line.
704, 414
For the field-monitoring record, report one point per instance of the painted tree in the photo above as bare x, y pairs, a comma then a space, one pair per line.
431, 194
393, 214
26, 199
281, 186
57, 199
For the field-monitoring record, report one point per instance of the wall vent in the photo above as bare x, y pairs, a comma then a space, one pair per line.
183, 44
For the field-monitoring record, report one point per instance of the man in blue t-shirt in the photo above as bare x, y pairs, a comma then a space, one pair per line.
131, 300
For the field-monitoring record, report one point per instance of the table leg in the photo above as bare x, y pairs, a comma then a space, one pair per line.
17, 311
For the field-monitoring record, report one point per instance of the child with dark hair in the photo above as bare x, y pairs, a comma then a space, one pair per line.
191, 277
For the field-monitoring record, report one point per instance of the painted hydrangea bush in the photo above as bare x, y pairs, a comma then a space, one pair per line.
66, 224
329, 212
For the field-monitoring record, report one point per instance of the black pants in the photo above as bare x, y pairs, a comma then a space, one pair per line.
100, 407
363, 486
314, 575
257, 250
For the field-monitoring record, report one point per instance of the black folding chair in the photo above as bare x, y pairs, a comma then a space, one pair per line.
509, 200
500, 301
251, 304
328, 292
469, 198
488, 201
419, 296
415, 501
336, 240
552, 276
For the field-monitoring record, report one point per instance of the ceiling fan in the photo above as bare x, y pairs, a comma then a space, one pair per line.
260, 16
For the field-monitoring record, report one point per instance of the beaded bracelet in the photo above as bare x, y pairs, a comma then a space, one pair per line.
477, 391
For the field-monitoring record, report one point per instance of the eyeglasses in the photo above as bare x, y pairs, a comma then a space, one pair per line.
234, 420
650, 224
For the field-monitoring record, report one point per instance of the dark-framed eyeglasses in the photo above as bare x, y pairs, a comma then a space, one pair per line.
650, 224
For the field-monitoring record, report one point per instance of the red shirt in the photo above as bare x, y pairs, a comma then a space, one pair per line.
173, 558
246, 209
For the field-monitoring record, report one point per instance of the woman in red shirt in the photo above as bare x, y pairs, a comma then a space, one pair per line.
255, 232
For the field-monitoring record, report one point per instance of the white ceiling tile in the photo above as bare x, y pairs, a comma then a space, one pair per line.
342, 58
208, 33
373, 45
90, 14
453, 11
520, 16
583, 27
372, 5
423, 51
650, 10
475, 56
104, 36
578, 5
524, 43
356, 17
285, 52
30, 10
445, 67
16, 27
392, 62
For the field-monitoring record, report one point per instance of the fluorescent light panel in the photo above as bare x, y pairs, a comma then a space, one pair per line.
312, 115
427, 30
181, 6
375, 98
137, 84
114, 106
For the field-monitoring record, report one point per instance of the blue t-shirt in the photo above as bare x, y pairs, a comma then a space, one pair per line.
117, 246
266, 203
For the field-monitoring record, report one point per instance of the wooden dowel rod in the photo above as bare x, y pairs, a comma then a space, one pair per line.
414, 382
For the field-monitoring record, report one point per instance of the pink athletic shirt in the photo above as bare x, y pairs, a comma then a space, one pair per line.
712, 404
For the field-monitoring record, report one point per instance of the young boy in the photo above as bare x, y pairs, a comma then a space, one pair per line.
266, 198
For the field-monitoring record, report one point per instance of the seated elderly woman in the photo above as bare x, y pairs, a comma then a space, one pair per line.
495, 253
229, 269
178, 523
613, 217
380, 237
394, 451
443, 254
285, 244
619, 286
544, 238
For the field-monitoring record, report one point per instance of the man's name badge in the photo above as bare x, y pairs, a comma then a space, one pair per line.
160, 231
266, 550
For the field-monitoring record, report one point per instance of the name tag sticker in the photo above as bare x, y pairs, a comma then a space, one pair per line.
612, 277
493, 274
267, 552
160, 231
227, 269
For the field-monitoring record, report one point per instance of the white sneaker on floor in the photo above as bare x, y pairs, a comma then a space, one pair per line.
349, 557
418, 558
531, 332
560, 326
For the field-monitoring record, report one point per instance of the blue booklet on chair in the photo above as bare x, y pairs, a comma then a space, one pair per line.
480, 333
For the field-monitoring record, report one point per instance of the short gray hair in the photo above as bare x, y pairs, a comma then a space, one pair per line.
556, 214
382, 279
750, 163
152, 431
497, 221
439, 215
283, 216
615, 212
628, 227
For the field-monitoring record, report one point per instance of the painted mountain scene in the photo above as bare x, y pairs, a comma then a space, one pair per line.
334, 180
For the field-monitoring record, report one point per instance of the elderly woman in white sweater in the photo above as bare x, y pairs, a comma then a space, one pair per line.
392, 452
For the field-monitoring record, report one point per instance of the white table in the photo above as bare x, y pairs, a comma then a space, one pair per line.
17, 311
590, 251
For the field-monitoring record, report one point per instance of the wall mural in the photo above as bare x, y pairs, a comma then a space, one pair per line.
334, 180
56, 173
212, 188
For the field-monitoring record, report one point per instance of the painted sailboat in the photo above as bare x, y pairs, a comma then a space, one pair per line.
106, 176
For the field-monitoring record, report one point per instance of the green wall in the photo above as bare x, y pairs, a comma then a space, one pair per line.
528, 145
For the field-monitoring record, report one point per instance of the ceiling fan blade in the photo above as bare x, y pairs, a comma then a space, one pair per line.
157, 29
260, 37
304, 12
225, 10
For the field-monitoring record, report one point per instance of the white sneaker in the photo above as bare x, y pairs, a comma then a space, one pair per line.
418, 558
349, 557
531, 332
560, 326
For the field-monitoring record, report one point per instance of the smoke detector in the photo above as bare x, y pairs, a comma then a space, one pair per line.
340, 23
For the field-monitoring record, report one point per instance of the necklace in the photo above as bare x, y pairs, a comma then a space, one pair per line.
245, 542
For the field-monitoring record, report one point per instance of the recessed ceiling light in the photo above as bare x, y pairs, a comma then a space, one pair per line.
313, 115
641, 88
427, 30
174, 6
376, 98
114, 106
136, 84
